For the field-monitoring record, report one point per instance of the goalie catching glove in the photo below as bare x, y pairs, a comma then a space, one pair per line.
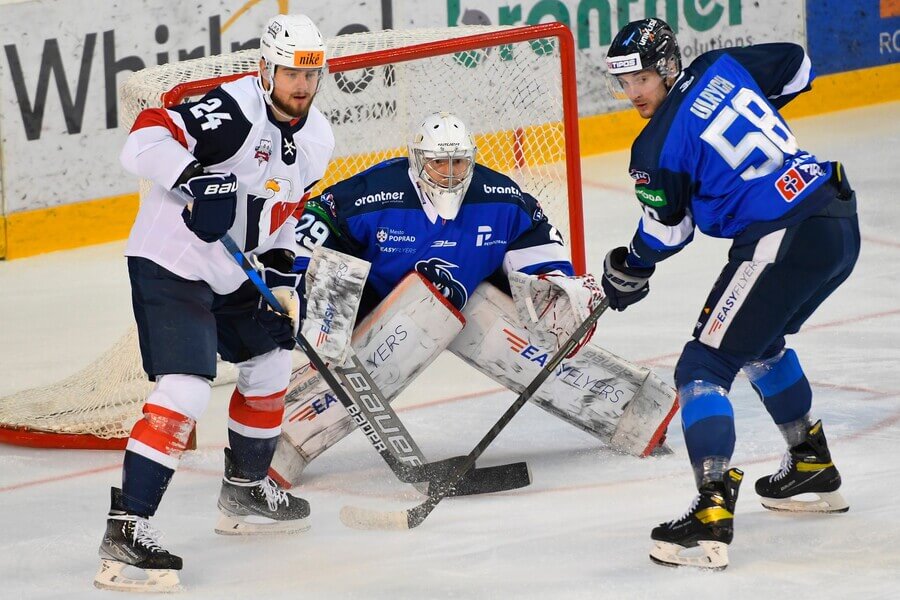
552, 306
281, 326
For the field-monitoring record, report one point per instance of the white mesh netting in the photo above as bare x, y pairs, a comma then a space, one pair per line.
510, 95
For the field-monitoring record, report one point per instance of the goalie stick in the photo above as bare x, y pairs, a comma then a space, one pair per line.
418, 470
364, 518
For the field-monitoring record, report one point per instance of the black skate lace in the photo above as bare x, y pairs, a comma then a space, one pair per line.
274, 495
146, 535
786, 463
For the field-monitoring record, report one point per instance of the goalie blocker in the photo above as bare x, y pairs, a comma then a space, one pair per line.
623, 405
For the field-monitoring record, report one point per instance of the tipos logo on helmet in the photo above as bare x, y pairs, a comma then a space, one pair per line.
644, 44
624, 64
640, 45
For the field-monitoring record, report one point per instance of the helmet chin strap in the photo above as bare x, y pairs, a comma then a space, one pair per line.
281, 113
268, 94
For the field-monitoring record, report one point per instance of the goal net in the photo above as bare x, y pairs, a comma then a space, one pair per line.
514, 88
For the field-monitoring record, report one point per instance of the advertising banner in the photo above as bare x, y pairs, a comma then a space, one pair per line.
844, 36
62, 62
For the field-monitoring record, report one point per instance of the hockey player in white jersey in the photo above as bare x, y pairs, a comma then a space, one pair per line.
448, 239
240, 161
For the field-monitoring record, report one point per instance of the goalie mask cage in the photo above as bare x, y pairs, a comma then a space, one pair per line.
514, 87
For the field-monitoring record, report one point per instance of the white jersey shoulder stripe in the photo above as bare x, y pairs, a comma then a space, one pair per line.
516, 260
669, 236
799, 81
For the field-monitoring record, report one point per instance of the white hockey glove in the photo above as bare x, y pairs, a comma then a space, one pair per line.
334, 287
551, 307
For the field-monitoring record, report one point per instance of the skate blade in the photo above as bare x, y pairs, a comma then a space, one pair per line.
706, 555
121, 577
826, 502
250, 525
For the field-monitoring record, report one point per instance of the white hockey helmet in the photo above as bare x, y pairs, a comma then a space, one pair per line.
290, 41
442, 159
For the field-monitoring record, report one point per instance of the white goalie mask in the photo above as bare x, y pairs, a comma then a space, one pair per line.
290, 41
442, 160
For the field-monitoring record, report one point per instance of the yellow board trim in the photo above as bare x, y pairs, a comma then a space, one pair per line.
33, 232
68, 226
2, 237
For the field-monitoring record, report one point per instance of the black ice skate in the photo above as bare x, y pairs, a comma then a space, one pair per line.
258, 507
805, 469
701, 536
131, 558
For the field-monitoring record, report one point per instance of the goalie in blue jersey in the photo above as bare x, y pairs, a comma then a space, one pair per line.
448, 240
717, 156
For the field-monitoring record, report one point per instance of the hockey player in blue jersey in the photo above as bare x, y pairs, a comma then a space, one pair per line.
379, 216
439, 221
716, 155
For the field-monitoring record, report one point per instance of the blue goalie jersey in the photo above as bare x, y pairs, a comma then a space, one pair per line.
718, 156
378, 216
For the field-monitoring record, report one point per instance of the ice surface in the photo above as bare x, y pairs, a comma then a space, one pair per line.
581, 530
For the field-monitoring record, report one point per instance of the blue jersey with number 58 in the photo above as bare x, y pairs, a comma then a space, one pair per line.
718, 156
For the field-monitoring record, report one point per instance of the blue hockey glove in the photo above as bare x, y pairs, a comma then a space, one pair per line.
212, 212
624, 285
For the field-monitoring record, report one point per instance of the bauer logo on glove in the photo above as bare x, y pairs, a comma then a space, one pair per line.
212, 205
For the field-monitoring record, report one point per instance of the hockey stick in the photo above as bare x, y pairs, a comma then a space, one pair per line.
417, 469
371, 409
363, 518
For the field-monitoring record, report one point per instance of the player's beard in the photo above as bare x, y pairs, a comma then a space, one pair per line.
297, 109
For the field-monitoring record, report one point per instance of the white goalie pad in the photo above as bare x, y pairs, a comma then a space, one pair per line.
622, 404
395, 342
334, 287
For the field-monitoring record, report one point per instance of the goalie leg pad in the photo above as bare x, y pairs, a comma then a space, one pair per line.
620, 403
395, 342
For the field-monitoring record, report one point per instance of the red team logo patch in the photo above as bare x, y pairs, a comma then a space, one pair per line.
263, 151
792, 183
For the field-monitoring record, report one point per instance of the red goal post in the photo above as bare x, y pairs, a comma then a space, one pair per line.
514, 87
